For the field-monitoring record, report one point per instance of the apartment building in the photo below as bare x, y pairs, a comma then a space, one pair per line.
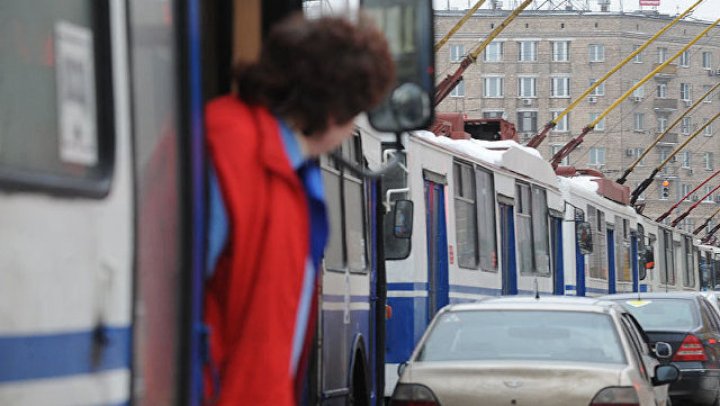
546, 59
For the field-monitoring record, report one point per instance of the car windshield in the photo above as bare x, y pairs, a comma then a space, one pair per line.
667, 314
481, 335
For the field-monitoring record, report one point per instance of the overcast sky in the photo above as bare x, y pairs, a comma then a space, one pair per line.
708, 10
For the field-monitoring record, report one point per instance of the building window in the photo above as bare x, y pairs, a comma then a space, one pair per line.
596, 156
600, 126
561, 51
685, 91
598, 91
562, 125
638, 57
459, 90
686, 125
494, 52
597, 52
685, 189
494, 86
636, 153
664, 153
662, 54
708, 131
686, 158
708, 159
527, 87
560, 86
457, 52
707, 60
527, 121
662, 90
465, 215
662, 123
528, 51
708, 194
684, 59
554, 149
493, 114
638, 93
639, 121
708, 98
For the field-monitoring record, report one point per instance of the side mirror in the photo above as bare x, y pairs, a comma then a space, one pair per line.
401, 368
583, 234
642, 273
408, 27
403, 219
649, 258
663, 350
665, 374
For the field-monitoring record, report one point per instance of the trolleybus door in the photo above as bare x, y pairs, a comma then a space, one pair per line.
437, 248
509, 267
611, 260
557, 253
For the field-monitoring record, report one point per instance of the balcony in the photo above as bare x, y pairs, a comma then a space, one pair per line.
668, 72
665, 104
669, 139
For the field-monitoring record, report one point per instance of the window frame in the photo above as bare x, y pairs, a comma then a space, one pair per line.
560, 48
523, 52
555, 87
499, 86
596, 53
97, 184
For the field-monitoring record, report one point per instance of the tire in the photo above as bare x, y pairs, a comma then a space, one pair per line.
359, 395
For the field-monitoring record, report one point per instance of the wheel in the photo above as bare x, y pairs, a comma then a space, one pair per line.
359, 395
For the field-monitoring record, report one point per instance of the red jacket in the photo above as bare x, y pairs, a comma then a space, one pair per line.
252, 298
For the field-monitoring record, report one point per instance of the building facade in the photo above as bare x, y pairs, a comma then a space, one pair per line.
544, 60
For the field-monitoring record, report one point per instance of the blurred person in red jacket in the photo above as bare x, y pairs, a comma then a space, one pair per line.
268, 225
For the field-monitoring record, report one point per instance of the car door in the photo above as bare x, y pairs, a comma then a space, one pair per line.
645, 362
710, 333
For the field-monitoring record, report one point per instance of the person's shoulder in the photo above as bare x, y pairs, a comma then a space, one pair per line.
227, 107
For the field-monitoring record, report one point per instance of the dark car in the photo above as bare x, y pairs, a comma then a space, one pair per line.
687, 322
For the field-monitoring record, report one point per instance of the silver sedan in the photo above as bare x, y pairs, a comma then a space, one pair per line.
527, 351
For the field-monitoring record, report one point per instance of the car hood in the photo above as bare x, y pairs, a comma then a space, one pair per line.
503, 383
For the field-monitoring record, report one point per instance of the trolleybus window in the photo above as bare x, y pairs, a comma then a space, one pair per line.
667, 273
598, 258
395, 182
688, 267
56, 131
486, 220
622, 250
347, 245
465, 215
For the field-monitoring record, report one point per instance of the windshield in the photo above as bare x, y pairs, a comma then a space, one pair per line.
523, 335
667, 314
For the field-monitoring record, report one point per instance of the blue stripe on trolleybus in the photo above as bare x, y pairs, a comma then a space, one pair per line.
59, 355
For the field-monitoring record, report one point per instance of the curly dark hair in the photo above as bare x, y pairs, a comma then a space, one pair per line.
313, 70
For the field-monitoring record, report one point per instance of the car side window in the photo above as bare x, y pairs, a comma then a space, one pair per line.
638, 349
713, 309
710, 314
638, 329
